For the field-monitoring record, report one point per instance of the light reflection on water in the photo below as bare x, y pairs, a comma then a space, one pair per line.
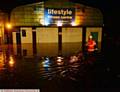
2, 63
28, 67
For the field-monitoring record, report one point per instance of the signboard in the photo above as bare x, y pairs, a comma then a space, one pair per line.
66, 15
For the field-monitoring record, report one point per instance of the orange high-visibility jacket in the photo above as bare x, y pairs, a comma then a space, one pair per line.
91, 45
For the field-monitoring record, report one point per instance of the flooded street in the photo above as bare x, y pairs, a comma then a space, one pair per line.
56, 73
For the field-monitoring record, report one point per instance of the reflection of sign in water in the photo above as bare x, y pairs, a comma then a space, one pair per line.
66, 15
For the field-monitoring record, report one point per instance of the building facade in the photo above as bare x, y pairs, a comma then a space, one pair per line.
37, 24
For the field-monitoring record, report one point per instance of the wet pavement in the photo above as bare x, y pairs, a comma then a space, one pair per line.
74, 73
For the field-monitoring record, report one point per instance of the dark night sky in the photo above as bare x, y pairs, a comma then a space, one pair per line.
109, 8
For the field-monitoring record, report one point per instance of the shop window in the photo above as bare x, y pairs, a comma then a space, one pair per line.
24, 33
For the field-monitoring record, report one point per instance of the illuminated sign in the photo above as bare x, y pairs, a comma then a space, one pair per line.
66, 15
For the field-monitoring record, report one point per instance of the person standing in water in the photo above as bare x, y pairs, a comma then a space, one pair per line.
91, 44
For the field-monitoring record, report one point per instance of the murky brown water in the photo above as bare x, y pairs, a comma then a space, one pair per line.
47, 67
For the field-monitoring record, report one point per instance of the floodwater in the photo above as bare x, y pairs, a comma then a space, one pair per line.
51, 70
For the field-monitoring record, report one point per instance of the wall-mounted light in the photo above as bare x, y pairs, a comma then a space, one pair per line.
42, 21
59, 23
8, 26
46, 23
73, 24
